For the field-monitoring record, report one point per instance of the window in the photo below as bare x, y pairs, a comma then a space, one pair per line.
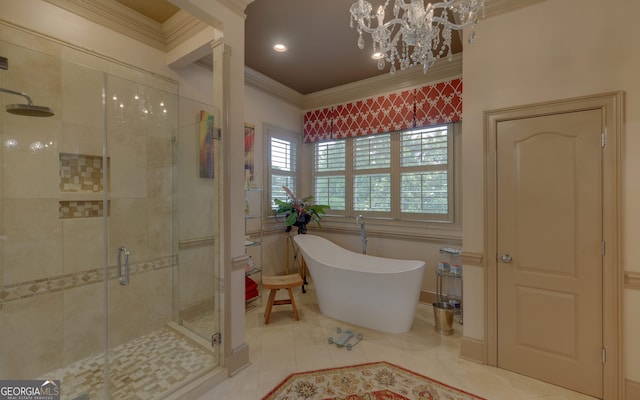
372, 173
424, 171
330, 184
282, 168
404, 175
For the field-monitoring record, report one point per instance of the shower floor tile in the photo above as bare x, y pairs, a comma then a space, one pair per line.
145, 368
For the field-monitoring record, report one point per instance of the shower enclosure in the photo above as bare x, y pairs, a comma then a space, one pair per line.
108, 233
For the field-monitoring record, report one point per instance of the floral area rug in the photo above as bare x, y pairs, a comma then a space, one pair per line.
372, 381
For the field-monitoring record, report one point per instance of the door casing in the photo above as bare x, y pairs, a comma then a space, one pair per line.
610, 104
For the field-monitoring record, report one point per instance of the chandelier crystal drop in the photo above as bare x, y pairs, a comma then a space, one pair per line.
417, 33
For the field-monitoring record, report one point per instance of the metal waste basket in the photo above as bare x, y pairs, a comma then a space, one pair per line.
443, 313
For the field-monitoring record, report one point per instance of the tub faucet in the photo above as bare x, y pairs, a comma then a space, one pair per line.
363, 233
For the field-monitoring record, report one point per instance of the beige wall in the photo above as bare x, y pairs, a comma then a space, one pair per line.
553, 50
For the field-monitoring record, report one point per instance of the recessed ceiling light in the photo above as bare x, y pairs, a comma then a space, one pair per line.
280, 47
377, 56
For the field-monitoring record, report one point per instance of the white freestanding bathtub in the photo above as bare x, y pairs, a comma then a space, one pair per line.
374, 292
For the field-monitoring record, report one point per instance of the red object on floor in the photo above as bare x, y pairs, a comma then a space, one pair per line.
249, 284
250, 289
252, 294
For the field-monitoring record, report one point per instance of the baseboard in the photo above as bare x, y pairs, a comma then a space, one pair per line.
631, 390
238, 359
472, 350
427, 297
200, 386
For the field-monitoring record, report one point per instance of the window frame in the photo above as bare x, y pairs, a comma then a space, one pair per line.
274, 132
451, 218
338, 173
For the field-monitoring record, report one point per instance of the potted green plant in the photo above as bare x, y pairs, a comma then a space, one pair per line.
299, 212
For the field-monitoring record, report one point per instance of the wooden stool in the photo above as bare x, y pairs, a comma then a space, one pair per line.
276, 283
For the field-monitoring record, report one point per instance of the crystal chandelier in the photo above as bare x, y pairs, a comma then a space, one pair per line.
417, 34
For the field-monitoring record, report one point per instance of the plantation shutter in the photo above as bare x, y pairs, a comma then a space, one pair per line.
283, 168
330, 184
424, 177
372, 173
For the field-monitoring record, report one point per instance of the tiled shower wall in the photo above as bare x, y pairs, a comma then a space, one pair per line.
52, 234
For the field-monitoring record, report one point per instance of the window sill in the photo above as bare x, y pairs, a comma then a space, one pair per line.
434, 232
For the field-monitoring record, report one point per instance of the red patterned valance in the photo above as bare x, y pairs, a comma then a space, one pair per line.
439, 104
429, 105
318, 124
391, 112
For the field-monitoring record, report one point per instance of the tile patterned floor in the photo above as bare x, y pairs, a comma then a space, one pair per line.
146, 368
286, 346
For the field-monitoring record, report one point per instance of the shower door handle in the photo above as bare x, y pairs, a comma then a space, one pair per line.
123, 279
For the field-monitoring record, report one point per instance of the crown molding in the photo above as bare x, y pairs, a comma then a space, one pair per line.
274, 88
181, 27
236, 6
412, 77
117, 17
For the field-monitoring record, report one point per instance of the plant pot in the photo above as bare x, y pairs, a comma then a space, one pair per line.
301, 223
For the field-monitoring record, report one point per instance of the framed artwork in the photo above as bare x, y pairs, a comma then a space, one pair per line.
249, 139
206, 144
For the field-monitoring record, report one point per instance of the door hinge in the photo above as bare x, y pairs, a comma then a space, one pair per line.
603, 139
604, 355
604, 248
216, 339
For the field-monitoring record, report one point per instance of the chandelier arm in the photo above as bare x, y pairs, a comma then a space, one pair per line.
400, 21
455, 3
386, 25
452, 25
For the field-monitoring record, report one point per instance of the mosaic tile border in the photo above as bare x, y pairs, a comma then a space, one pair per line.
54, 284
81, 209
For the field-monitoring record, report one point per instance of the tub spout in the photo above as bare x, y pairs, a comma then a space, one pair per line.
363, 233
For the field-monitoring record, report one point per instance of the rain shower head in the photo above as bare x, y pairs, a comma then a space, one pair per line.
29, 109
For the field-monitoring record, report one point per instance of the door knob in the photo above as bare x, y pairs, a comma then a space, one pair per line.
506, 258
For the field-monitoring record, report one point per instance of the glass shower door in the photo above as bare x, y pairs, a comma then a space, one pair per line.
147, 351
